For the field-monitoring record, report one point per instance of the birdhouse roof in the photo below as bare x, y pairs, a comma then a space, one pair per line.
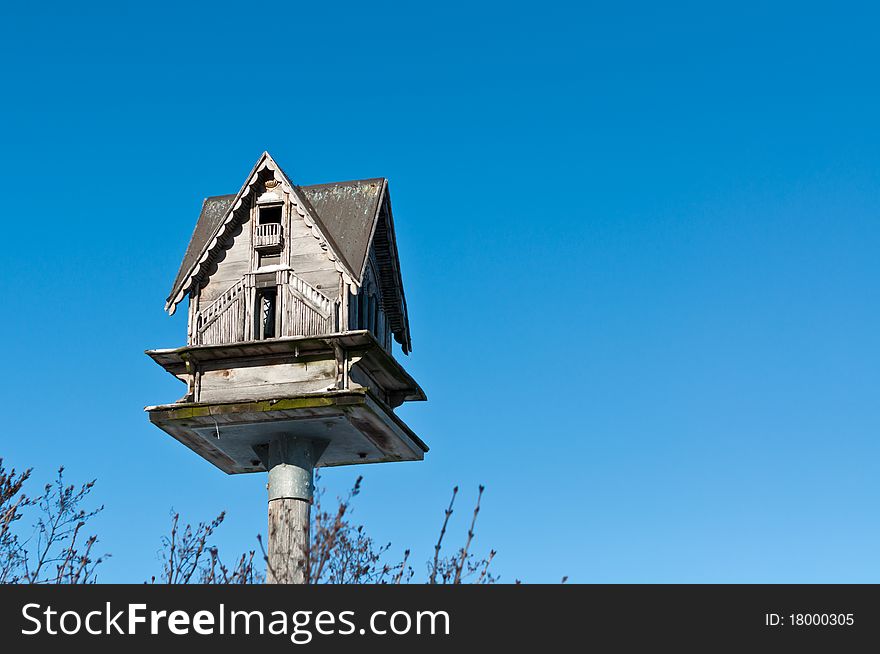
348, 214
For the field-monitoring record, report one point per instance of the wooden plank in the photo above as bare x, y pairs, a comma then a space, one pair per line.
249, 393
310, 262
273, 374
260, 382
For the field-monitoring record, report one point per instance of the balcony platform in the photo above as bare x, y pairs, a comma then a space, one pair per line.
359, 429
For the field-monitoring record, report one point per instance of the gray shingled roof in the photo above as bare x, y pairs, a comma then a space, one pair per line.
347, 210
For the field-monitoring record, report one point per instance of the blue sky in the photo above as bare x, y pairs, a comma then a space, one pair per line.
639, 245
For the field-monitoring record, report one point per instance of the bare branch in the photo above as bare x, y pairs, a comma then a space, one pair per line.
433, 578
470, 537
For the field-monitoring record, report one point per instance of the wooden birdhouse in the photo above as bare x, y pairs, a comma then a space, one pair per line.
294, 299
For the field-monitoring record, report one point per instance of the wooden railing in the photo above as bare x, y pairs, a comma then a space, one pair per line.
308, 311
223, 320
267, 235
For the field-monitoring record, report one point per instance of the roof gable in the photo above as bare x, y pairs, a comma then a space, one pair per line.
206, 242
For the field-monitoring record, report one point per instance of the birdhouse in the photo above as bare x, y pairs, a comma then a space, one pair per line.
294, 298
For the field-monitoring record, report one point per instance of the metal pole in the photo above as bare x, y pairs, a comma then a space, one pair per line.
291, 461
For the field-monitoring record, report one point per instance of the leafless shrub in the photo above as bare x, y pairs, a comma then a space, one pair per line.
189, 558
341, 552
12, 502
56, 551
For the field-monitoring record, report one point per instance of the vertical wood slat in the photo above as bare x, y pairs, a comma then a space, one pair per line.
267, 235
222, 322
308, 311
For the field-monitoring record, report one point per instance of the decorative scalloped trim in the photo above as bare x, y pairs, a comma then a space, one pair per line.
287, 187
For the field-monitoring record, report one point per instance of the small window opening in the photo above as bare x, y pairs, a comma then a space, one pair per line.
269, 260
270, 214
266, 309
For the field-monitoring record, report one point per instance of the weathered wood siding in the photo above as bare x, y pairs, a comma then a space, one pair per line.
236, 263
224, 320
266, 381
307, 258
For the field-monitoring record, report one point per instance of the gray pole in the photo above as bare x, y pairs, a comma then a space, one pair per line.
291, 461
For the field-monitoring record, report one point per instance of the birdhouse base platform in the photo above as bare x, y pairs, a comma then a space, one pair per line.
357, 428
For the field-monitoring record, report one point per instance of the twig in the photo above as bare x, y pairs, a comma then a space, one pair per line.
433, 577
467, 545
